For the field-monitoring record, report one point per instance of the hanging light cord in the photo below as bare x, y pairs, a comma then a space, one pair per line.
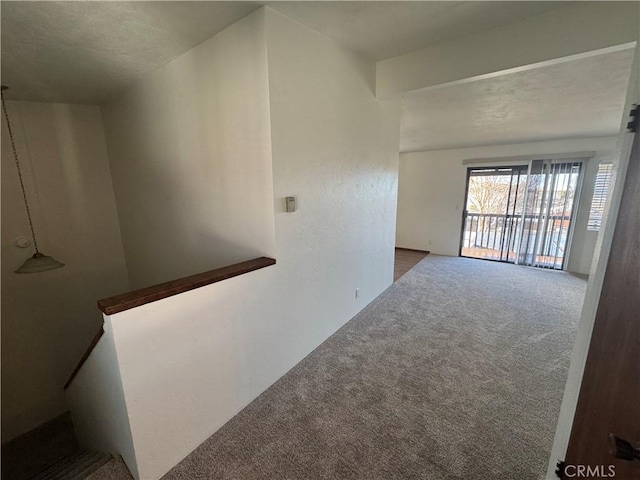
15, 156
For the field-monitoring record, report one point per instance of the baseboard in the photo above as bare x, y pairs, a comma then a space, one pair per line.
413, 250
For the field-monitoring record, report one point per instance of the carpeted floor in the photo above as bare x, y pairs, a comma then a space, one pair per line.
455, 372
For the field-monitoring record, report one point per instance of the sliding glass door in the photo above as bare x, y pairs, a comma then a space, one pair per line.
494, 201
520, 214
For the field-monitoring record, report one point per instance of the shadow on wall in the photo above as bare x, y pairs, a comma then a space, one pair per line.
48, 318
190, 155
174, 231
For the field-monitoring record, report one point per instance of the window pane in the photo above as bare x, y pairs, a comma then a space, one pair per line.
600, 194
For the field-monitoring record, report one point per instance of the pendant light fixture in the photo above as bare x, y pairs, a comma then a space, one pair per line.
38, 262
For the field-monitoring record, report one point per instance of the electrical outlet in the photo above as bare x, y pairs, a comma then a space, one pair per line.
357, 293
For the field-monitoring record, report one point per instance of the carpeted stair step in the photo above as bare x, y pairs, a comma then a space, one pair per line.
89, 464
60, 465
74, 467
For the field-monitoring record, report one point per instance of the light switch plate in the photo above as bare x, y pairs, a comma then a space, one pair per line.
291, 204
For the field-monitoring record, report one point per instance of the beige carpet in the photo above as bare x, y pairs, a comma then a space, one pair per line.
455, 372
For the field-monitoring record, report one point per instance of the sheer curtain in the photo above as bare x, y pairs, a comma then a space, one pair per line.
547, 213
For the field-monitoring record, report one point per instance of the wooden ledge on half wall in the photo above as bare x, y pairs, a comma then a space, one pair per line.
135, 298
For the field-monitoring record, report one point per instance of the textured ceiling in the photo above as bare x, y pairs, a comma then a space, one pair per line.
380, 30
84, 52
579, 98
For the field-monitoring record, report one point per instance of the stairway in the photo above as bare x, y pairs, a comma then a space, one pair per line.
76, 466
50, 452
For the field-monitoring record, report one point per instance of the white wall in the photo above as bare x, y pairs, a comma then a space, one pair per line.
196, 359
335, 146
49, 318
432, 188
190, 153
97, 404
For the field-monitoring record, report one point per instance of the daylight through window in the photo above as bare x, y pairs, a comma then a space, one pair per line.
600, 194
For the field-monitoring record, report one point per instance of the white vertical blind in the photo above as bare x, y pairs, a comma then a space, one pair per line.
546, 221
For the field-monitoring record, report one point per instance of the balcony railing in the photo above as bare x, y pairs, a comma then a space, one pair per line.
496, 237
